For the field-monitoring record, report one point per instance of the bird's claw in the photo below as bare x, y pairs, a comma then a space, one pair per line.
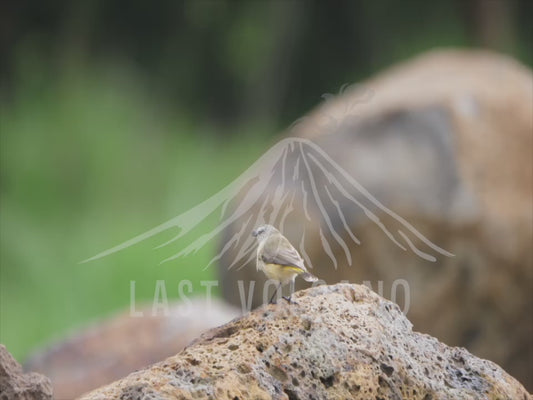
289, 300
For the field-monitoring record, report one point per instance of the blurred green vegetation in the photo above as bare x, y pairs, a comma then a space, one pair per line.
88, 162
118, 116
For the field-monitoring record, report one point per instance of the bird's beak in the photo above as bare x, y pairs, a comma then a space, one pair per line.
254, 233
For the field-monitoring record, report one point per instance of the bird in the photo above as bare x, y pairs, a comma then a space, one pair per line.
278, 259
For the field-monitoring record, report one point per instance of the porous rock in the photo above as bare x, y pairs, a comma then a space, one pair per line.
16, 385
335, 342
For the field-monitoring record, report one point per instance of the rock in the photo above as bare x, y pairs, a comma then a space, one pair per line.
16, 385
444, 140
113, 348
336, 342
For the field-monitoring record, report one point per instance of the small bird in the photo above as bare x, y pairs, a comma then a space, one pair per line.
278, 259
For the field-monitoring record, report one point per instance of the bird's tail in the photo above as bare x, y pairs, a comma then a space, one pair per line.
309, 277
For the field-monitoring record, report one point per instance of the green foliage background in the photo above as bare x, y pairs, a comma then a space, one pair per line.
116, 116
87, 164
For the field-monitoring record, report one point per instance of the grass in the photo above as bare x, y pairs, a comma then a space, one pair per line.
88, 161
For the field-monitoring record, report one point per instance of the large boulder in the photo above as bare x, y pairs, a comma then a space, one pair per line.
16, 385
111, 349
334, 342
444, 141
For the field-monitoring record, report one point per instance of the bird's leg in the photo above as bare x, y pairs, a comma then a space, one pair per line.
291, 291
275, 293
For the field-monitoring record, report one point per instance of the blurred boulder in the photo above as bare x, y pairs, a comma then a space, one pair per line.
122, 344
335, 342
16, 385
445, 142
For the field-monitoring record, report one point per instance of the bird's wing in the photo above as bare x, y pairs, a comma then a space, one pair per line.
278, 250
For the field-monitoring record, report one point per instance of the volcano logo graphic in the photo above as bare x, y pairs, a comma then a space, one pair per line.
293, 176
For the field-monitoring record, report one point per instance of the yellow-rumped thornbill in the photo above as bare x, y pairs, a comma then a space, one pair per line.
278, 259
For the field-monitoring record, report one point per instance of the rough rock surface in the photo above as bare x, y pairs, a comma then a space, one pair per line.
336, 342
16, 385
113, 348
444, 140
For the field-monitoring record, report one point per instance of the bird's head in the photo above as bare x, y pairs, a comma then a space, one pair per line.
263, 231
